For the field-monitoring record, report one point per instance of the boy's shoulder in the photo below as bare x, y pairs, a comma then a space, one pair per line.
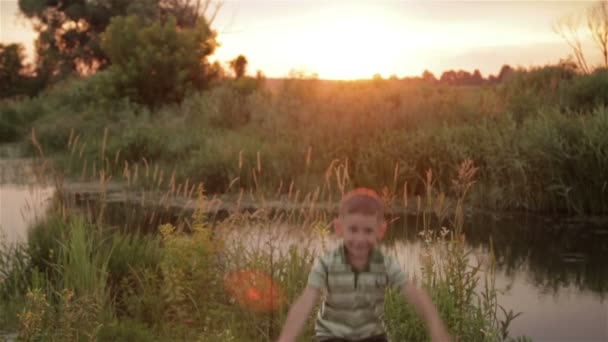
336, 256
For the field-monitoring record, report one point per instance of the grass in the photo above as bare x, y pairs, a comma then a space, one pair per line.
524, 134
83, 277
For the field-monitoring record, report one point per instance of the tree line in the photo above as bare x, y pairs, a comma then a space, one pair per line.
169, 42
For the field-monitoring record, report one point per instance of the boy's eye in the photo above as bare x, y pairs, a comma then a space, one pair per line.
368, 230
353, 229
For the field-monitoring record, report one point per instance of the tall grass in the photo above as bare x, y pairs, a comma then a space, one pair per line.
524, 135
174, 283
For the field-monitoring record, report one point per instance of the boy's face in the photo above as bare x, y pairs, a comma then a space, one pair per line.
360, 233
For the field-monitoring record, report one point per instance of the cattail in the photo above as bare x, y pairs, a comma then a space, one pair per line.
116, 156
255, 178
125, 170
84, 170
395, 174
308, 156
36, 143
186, 187
82, 149
405, 194
259, 162
290, 190
147, 167
191, 192
103, 144
236, 179
136, 173
75, 144
172, 181
70, 138
127, 173
279, 188
155, 173
160, 178
238, 202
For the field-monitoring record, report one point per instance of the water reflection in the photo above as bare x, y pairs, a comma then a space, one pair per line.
568, 312
553, 254
23, 199
552, 270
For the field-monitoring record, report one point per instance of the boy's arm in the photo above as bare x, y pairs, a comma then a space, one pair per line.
298, 314
427, 310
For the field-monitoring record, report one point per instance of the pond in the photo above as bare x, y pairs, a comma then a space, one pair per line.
552, 270
22, 199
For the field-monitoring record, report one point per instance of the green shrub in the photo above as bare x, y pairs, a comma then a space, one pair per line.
8, 132
157, 63
586, 92
125, 330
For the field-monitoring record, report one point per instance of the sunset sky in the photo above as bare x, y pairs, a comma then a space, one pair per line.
357, 39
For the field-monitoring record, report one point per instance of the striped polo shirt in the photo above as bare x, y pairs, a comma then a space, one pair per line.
353, 307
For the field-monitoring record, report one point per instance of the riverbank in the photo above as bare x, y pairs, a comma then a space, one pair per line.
148, 286
539, 149
554, 254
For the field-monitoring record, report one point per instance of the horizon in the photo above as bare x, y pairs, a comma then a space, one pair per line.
355, 40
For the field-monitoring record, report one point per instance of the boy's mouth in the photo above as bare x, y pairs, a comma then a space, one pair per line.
361, 249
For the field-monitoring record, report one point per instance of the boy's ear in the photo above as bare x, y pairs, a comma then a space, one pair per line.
382, 230
337, 227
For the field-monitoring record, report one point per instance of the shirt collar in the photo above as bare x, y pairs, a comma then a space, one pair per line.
344, 259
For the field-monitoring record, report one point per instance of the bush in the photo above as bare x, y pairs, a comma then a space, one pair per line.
526, 91
587, 92
125, 330
157, 63
8, 132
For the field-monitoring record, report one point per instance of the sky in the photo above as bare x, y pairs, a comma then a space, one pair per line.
356, 39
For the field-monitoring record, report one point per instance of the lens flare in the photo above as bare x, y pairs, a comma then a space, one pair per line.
254, 290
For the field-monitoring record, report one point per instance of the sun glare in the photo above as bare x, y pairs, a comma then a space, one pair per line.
354, 42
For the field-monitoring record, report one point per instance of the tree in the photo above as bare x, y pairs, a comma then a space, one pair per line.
428, 76
504, 72
239, 66
448, 77
13, 71
596, 18
187, 13
158, 63
69, 30
567, 27
476, 78
597, 22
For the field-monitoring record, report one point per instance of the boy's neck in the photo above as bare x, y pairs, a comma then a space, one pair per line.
359, 264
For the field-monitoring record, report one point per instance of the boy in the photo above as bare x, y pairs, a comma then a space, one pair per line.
353, 277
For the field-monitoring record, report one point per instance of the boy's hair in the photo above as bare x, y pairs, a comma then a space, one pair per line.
362, 201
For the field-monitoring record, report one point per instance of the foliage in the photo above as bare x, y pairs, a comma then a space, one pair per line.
125, 330
239, 66
69, 32
589, 92
215, 136
174, 58
13, 78
464, 291
68, 40
527, 91
72, 318
90, 279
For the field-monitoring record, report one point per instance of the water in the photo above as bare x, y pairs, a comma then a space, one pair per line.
554, 271
23, 199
